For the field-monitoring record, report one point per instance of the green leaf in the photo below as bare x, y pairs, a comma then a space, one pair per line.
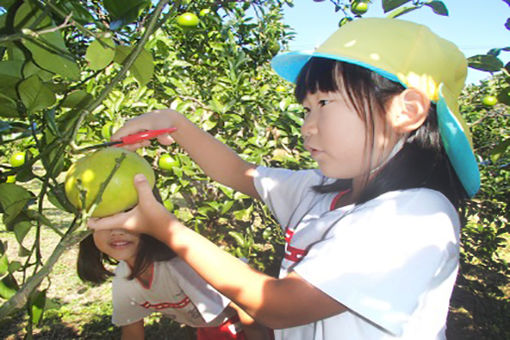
389, 5
485, 62
34, 95
226, 206
100, 53
438, 7
31, 69
8, 287
14, 266
8, 107
37, 302
504, 96
10, 75
53, 56
142, 68
499, 150
4, 265
21, 229
123, 12
238, 238
76, 99
13, 199
28, 14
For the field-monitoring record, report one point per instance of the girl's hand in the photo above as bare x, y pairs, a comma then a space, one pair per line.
147, 217
160, 119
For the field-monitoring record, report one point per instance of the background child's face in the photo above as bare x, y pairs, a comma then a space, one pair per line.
335, 135
118, 244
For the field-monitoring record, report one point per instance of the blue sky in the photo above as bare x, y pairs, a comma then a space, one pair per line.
474, 25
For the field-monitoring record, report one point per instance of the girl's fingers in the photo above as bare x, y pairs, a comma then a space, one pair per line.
165, 139
110, 222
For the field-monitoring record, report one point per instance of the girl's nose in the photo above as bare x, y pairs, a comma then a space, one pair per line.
309, 126
117, 231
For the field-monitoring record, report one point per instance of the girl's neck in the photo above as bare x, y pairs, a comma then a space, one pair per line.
145, 278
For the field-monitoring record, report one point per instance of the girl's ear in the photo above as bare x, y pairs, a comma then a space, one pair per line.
408, 110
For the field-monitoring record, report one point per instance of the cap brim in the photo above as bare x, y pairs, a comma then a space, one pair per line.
288, 65
457, 147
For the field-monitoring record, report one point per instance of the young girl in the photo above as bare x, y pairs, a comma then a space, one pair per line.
372, 237
150, 278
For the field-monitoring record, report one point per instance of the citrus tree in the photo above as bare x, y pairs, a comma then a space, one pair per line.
71, 72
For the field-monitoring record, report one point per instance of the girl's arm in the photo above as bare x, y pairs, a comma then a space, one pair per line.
276, 303
216, 159
134, 331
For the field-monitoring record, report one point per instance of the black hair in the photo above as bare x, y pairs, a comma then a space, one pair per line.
422, 162
91, 261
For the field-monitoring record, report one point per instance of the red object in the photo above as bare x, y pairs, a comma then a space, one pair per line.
231, 329
131, 139
140, 136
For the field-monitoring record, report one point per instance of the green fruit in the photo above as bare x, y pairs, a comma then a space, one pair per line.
204, 12
187, 20
166, 162
281, 88
17, 159
489, 100
11, 179
359, 7
92, 170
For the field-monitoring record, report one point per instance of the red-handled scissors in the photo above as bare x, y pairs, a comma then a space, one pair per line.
132, 139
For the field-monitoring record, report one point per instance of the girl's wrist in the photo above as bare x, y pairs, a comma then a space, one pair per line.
168, 228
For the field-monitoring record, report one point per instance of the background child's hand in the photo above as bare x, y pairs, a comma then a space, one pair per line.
159, 119
147, 217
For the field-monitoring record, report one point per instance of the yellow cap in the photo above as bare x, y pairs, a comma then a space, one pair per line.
414, 56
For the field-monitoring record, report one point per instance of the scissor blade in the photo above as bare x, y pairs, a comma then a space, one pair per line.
102, 145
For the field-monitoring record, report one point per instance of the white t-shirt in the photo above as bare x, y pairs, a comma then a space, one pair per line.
391, 261
175, 290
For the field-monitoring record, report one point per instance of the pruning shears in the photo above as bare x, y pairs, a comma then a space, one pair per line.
131, 139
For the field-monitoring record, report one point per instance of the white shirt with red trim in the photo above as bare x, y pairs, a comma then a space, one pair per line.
175, 290
391, 261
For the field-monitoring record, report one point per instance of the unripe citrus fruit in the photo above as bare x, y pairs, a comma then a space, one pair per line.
166, 162
187, 20
92, 170
17, 159
489, 100
204, 12
11, 179
360, 7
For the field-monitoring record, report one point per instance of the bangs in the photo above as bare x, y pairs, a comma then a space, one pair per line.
319, 74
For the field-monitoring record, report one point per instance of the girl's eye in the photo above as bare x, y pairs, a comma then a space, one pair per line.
323, 102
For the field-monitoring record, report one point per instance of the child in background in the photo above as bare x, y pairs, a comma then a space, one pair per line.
150, 278
372, 236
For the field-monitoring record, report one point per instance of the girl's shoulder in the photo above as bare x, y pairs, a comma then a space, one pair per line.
417, 206
415, 198
314, 175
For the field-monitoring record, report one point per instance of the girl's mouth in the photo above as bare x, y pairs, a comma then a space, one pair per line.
119, 244
313, 152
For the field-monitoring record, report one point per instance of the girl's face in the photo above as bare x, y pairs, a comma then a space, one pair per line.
118, 244
336, 136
